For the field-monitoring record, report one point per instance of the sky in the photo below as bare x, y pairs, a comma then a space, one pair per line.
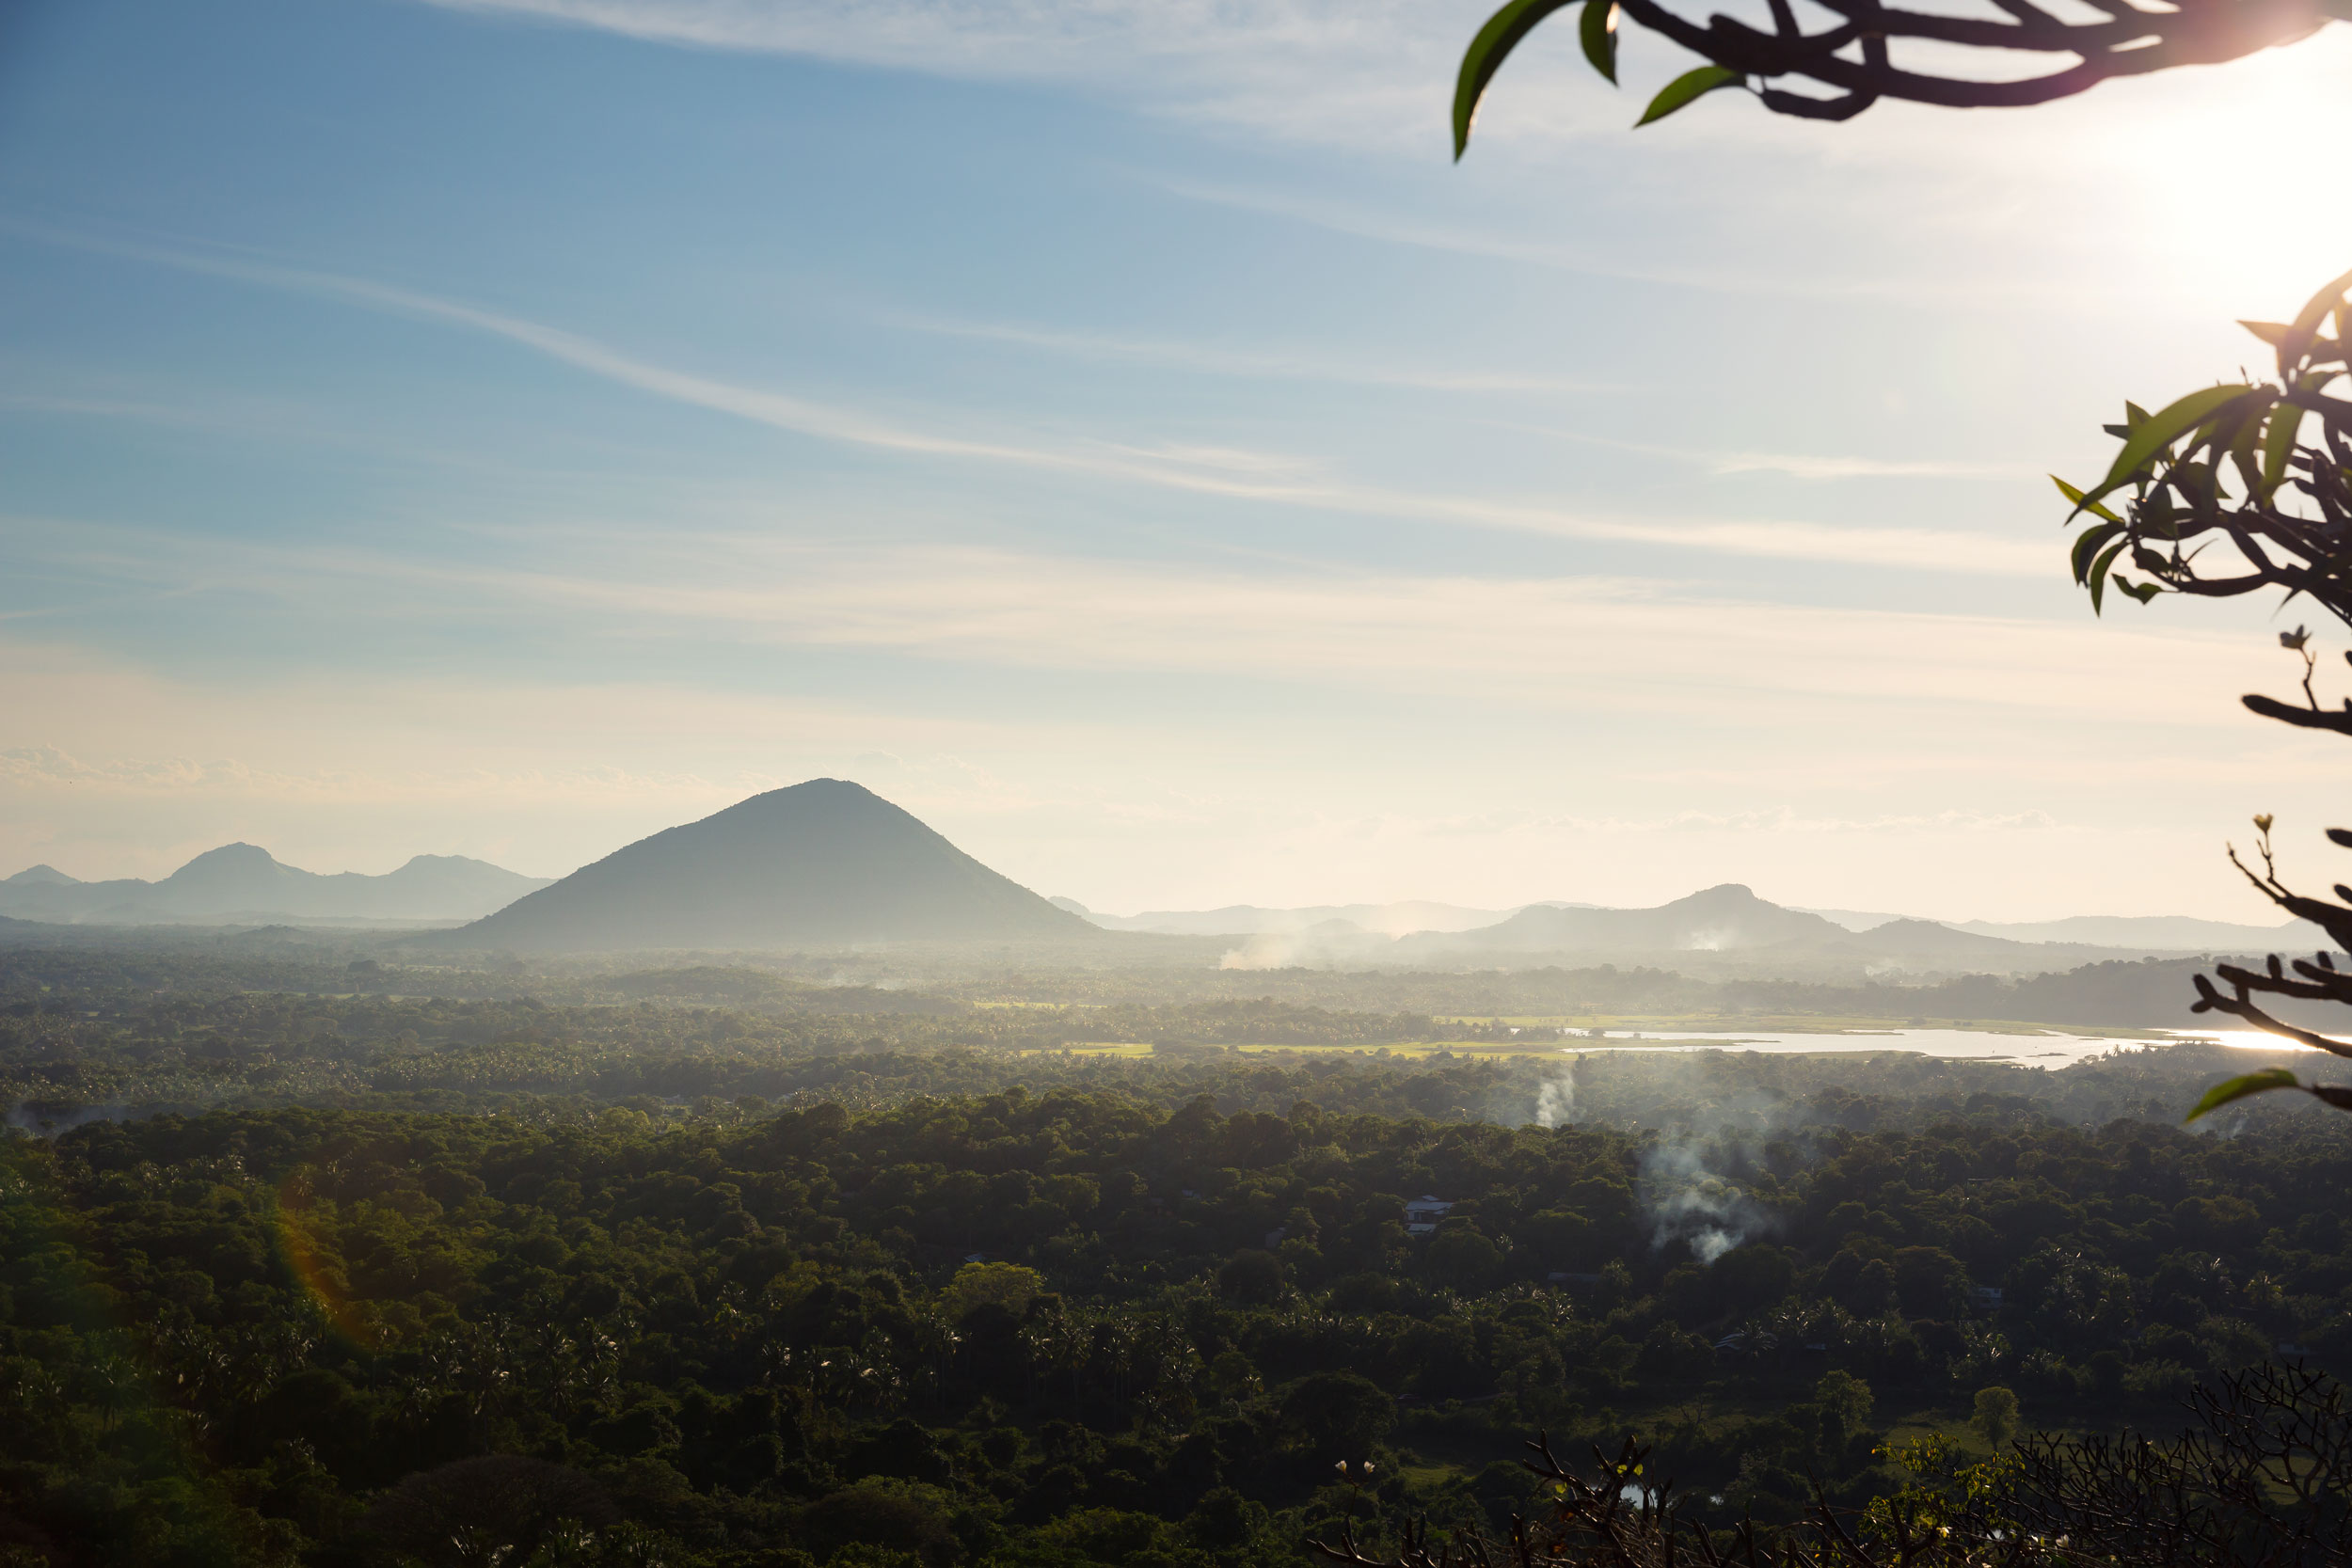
1118, 433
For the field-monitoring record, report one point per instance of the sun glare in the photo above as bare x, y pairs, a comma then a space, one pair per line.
2235, 173
2249, 1040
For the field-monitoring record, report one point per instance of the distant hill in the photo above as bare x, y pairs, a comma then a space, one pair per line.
1725, 919
2158, 933
2137, 933
1717, 920
1924, 944
825, 864
242, 882
1721, 931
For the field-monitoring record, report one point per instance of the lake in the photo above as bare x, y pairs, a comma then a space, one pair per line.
2046, 1048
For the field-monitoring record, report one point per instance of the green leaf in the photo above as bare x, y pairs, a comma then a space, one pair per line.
2298, 340
2152, 433
2099, 574
1597, 29
2248, 419
1486, 55
2238, 1088
2143, 592
2287, 420
1686, 88
2090, 540
2273, 333
2073, 493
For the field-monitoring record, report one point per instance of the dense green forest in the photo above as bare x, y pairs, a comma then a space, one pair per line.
358, 1275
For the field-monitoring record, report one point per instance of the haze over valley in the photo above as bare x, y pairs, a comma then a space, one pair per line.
828, 865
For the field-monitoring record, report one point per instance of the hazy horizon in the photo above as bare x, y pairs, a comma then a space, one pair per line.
1120, 436
1842, 916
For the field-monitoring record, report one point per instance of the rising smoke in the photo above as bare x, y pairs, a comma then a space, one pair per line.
1685, 1199
31, 1123
1555, 1097
1332, 944
1682, 1192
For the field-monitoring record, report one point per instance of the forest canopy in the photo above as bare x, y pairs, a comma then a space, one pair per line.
503, 1280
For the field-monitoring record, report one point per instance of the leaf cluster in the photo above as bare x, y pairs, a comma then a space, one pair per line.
2222, 494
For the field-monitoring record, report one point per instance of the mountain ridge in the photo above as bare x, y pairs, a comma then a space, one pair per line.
1541, 926
1725, 928
1727, 915
243, 880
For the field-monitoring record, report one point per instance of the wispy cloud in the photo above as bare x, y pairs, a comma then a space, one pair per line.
1481, 240
177, 776
778, 410
2060, 210
1211, 359
103, 408
1599, 645
1799, 464
1573, 644
1803, 466
1864, 268
1318, 70
1268, 478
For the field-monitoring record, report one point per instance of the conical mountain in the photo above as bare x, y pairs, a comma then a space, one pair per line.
823, 864
233, 877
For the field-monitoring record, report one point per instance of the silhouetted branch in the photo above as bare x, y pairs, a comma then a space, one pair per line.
1840, 68
2310, 717
2127, 42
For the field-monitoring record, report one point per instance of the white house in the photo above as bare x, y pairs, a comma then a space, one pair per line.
1423, 1213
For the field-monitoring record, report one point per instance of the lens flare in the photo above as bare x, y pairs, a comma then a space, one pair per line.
315, 1266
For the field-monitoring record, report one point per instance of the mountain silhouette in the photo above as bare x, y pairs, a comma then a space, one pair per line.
823, 864
1719, 919
243, 881
1724, 929
233, 877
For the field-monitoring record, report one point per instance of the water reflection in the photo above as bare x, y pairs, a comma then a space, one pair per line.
2038, 1047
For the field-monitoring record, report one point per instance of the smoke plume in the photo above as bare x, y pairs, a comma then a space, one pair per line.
1555, 1097
1684, 1199
54, 1124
